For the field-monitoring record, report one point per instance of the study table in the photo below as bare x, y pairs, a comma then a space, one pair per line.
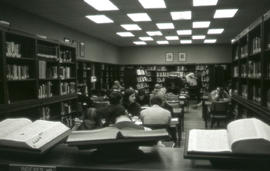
64, 158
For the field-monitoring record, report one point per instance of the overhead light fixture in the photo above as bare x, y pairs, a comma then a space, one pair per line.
137, 17
225, 13
152, 4
233, 40
102, 5
210, 41
181, 15
125, 34
185, 41
154, 33
99, 19
215, 31
200, 24
164, 26
162, 42
131, 27
139, 43
197, 3
146, 38
197, 37
172, 37
184, 32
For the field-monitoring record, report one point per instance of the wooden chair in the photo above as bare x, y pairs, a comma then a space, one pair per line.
220, 111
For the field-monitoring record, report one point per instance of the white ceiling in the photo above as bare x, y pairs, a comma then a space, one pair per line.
71, 13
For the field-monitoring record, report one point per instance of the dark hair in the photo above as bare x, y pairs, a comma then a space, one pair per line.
127, 93
114, 112
156, 100
115, 98
141, 92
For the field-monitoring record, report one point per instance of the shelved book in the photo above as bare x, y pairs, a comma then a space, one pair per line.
22, 134
112, 135
243, 136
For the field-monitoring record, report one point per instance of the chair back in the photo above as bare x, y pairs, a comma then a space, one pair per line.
220, 107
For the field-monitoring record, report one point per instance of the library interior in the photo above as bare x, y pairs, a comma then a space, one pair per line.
134, 85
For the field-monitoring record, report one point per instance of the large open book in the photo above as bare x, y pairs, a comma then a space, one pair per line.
243, 136
109, 135
40, 135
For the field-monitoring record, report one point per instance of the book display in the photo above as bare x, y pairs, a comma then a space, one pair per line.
39, 75
251, 68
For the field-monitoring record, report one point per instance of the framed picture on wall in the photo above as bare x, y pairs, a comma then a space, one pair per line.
182, 57
169, 57
82, 49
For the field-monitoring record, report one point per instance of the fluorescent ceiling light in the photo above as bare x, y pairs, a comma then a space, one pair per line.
184, 32
172, 37
181, 15
210, 41
102, 5
196, 37
225, 13
215, 31
99, 19
149, 4
130, 27
185, 41
139, 43
197, 3
162, 42
146, 38
164, 26
125, 34
200, 24
154, 33
137, 17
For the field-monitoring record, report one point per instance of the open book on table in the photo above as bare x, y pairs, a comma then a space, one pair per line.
22, 133
109, 135
243, 136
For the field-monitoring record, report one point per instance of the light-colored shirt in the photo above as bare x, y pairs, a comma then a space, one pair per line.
155, 115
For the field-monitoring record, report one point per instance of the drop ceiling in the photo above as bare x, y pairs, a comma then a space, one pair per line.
71, 13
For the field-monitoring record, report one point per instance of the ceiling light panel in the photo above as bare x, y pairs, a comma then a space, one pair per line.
102, 5
99, 19
184, 32
210, 41
225, 13
152, 4
185, 41
131, 27
138, 17
215, 31
198, 37
125, 34
146, 38
162, 42
154, 33
197, 3
139, 43
172, 38
200, 24
164, 26
181, 15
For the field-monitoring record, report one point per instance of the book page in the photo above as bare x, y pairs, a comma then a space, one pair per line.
135, 133
36, 135
92, 135
208, 141
8, 126
262, 128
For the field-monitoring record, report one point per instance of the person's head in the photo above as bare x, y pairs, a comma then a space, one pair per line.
115, 98
115, 112
157, 86
141, 93
129, 96
116, 82
156, 100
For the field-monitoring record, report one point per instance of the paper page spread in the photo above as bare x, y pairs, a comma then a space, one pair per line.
10, 125
208, 141
262, 128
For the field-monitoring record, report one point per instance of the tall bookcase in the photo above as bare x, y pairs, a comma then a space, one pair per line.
251, 69
38, 77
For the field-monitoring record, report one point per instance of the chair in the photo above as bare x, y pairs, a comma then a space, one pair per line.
219, 112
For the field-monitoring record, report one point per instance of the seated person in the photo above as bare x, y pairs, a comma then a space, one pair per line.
219, 94
143, 98
155, 114
88, 121
129, 102
117, 86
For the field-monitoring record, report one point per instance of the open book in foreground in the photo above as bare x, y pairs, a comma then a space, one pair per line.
110, 135
39, 136
243, 136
